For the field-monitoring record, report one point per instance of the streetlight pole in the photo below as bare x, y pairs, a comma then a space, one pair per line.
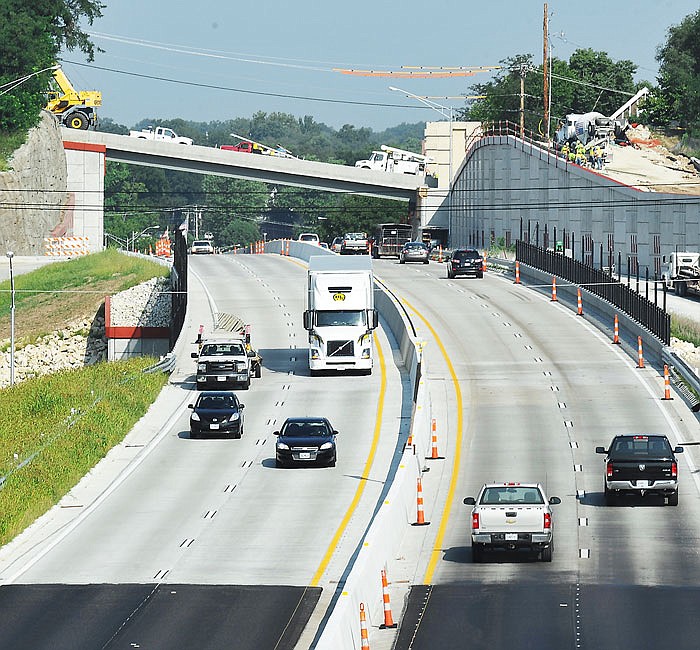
448, 112
10, 255
135, 236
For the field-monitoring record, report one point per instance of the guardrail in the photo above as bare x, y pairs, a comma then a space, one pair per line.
165, 364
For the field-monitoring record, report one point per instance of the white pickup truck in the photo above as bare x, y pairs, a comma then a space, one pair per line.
512, 516
160, 133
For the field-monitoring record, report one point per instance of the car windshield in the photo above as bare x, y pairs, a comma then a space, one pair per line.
416, 246
201, 243
349, 318
511, 495
222, 349
304, 429
215, 402
308, 238
356, 235
635, 447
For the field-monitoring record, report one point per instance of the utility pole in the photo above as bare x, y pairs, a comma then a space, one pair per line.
545, 57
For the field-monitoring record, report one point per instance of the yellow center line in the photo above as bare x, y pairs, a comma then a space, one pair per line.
365, 472
437, 548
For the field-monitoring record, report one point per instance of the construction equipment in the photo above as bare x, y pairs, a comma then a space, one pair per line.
246, 145
391, 159
74, 109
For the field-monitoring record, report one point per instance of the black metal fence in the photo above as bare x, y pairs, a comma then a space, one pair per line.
600, 283
178, 282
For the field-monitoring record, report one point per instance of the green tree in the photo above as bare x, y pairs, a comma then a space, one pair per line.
32, 34
678, 94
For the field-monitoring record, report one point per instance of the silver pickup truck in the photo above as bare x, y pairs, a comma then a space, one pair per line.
512, 516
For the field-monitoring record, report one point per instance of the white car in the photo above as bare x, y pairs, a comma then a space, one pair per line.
309, 238
201, 247
512, 516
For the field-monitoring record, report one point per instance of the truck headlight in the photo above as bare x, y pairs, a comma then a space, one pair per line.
201, 367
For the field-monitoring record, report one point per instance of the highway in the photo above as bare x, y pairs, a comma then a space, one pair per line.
173, 542
205, 540
540, 390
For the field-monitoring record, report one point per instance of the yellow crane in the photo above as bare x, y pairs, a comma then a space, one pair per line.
75, 109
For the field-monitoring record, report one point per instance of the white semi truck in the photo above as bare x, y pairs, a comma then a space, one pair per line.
340, 314
681, 272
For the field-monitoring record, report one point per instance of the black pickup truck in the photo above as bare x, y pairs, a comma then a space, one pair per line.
640, 464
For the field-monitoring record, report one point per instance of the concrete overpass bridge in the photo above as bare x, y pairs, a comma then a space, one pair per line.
87, 151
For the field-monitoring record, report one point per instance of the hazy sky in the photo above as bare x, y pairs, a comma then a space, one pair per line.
282, 54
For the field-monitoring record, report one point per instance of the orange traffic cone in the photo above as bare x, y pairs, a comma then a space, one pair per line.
388, 619
433, 446
363, 628
667, 384
483, 263
580, 303
616, 332
640, 363
517, 272
554, 290
419, 505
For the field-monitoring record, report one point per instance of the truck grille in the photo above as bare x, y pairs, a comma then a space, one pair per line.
222, 366
340, 349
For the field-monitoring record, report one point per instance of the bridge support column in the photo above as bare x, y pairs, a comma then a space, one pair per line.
86, 191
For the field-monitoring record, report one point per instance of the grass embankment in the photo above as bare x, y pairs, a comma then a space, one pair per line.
57, 427
685, 329
59, 293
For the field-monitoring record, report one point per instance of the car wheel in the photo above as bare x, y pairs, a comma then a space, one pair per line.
477, 553
426, 261
450, 275
200, 386
332, 463
193, 435
546, 555
258, 371
278, 464
402, 261
673, 499
246, 384
480, 274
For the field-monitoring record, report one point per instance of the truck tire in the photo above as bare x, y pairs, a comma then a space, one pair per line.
245, 385
673, 499
258, 371
681, 289
201, 386
450, 275
77, 121
546, 555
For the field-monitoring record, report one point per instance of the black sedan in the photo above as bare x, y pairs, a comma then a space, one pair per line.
307, 440
216, 412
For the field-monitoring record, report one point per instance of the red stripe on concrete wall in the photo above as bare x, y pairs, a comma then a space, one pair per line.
84, 146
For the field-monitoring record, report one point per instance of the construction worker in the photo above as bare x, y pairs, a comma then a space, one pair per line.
580, 154
565, 150
598, 157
